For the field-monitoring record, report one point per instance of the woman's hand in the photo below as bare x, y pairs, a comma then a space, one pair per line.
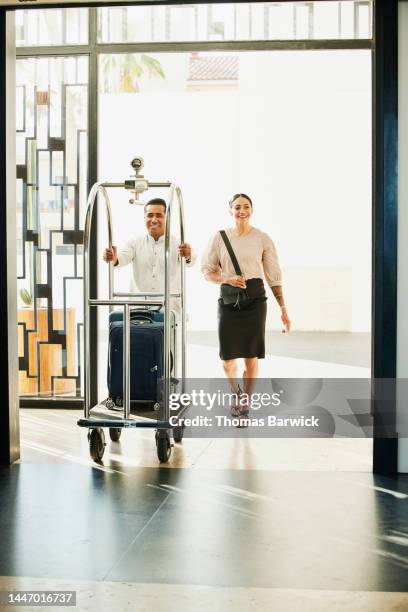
236, 281
285, 320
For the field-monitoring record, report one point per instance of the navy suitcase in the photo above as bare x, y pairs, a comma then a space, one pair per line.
146, 356
153, 314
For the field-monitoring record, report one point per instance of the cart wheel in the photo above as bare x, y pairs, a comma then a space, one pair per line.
163, 447
178, 433
96, 443
115, 433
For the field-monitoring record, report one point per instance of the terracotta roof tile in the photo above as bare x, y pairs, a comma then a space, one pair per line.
213, 68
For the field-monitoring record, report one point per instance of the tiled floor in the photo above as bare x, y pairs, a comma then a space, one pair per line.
233, 535
53, 437
265, 524
140, 597
226, 525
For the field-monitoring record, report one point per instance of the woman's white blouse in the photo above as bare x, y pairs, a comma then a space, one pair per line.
255, 252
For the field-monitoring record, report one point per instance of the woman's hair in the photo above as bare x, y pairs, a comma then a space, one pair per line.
240, 195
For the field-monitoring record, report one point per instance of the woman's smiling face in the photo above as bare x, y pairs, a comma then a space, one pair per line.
241, 209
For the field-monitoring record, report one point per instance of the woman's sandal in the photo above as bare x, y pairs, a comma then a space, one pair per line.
235, 411
238, 411
244, 410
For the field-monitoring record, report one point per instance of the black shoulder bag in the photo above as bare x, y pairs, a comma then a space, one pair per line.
236, 296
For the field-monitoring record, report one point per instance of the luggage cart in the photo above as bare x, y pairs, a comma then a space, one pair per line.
100, 416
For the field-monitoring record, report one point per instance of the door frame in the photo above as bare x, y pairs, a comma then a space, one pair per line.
384, 219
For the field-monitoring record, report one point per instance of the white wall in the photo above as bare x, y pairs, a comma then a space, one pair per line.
402, 304
296, 135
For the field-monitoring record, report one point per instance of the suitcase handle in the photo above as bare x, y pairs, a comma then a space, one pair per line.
136, 314
137, 318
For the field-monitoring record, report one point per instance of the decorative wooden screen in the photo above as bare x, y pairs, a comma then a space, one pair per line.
52, 123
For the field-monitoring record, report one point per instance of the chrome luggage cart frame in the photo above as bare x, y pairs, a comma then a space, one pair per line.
102, 417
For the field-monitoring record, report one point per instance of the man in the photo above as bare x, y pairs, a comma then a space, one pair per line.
146, 253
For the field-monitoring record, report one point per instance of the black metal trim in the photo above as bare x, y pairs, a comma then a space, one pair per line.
4, 370
51, 404
171, 47
385, 228
30, 4
9, 423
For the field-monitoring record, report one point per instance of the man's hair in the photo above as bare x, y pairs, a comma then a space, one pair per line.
240, 195
156, 202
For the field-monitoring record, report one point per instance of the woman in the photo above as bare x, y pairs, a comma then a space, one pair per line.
241, 325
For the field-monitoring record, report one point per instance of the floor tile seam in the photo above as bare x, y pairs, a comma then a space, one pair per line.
193, 465
139, 533
245, 588
173, 585
281, 471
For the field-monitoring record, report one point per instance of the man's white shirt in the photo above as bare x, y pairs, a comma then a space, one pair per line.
147, 258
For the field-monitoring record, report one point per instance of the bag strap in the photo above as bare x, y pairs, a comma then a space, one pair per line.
231, 253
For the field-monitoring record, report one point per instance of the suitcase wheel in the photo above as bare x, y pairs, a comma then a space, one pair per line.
178, 433
115, 433
96, 443
163, 446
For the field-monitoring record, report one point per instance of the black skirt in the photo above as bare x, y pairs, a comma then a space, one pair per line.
241, 331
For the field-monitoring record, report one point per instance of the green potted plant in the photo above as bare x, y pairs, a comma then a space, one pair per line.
25, 297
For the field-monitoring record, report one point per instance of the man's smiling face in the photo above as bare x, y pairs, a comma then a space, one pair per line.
155, 220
